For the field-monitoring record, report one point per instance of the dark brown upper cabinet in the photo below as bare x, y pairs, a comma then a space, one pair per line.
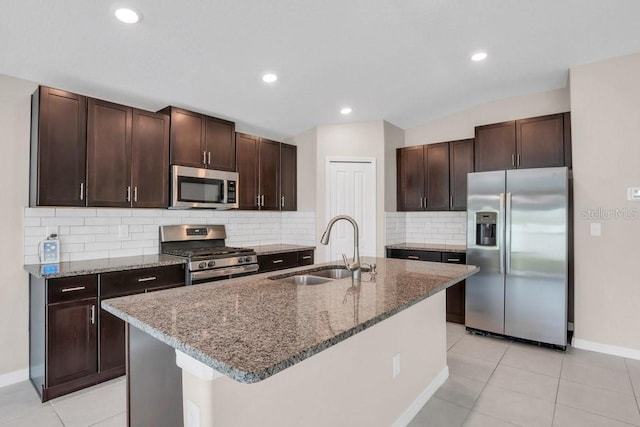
201, 141
58, 148
259, 165
288, 177
127, 156
460, 164
534, 142
423, 177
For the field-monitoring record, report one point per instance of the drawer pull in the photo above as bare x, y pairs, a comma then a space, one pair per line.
277, 261
306, 257
453, 260
147, 279
77, 288
413, 257
93, 314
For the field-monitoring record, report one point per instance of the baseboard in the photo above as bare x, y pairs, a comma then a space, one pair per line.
613, 350
14, 377
422, 399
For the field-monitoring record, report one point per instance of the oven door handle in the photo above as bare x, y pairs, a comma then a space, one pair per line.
219, 272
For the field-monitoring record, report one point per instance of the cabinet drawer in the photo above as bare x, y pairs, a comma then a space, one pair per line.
414, 255
454, 257
277, 261
72, 288
305, 258
120, 283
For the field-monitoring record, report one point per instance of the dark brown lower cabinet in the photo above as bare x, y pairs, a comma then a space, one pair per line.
112, 344
455, 294
283, 260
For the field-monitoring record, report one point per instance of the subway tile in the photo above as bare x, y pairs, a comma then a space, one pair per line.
155, 213
31, 222
125, 252
119, 213
134, 244
137, 220
39, 212
103, 221
35, 231
75, 212
102, 246
89, 229
78, 238
84, 256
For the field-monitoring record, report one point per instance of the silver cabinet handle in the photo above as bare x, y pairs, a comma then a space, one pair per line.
421, 200
499, 241
282, 201
450, 202
147, 279
128, 193
262, 200
453, 260
258, 201
204, 157
93, 314
82, 191
513, 160
413, 257
277, 261
77, 288
518, 160
306, 257
135, 193
209, 157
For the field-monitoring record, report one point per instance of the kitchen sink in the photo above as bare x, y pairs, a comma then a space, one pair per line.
332, 273
303, 279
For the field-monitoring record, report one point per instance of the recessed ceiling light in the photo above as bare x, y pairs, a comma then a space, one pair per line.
126, 15
269, 78
345, 110
479, 56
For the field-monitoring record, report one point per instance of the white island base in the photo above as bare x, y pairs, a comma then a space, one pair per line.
348, 384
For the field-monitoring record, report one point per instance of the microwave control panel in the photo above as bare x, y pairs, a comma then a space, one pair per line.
231, 191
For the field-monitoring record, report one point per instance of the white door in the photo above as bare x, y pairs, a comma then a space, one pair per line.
351, 190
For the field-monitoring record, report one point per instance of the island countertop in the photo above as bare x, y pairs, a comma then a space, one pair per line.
250, 328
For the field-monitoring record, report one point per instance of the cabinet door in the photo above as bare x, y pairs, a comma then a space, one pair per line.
59, 128
269, 175
220, 144
108, 154
540, 142
112, 344
495, 147
460, 164
410, 164
187, 138
437, 177
247, 167
150, 160
71, 343
288, 177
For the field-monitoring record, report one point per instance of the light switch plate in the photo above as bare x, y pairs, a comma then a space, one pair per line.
596, 229
633, 194
396, 365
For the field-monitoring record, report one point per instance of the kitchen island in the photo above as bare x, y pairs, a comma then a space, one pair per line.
259, 350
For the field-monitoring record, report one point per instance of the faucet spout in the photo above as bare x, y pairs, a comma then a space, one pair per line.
354, 267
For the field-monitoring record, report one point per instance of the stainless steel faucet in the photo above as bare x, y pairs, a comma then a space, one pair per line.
353, 267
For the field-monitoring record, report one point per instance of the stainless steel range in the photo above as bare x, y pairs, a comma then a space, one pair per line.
204, 248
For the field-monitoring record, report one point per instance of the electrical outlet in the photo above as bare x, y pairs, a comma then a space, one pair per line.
596, 229
396, 365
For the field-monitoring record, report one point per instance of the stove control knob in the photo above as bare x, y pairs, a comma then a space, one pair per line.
240, 260
247, 259
202, 265
211, 263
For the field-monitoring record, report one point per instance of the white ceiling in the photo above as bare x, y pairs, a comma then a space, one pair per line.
404, 61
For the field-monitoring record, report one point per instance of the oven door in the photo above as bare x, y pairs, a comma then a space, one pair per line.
202, 188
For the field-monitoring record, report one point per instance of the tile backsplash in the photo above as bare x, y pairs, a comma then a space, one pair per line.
90, 233
426, 227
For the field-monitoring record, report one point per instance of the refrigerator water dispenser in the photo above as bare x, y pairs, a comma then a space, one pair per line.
486, 228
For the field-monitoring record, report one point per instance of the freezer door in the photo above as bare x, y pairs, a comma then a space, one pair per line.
484, 292
536, 254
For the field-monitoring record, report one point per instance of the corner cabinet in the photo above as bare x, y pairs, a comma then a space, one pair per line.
58, 148
267, 173
534, 142
201, 141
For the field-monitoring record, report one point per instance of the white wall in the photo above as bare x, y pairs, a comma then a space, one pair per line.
307, 168
393, 139
15, 111
461, 125
363, 139
605, 116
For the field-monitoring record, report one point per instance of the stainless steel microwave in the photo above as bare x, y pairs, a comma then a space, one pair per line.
203, 188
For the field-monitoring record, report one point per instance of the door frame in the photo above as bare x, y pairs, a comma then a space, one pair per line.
327, 197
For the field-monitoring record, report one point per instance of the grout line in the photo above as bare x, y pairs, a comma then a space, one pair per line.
108, 418
55, 411
555, 404
632, 387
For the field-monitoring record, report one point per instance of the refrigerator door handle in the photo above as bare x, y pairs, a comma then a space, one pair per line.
500, 231
508, 233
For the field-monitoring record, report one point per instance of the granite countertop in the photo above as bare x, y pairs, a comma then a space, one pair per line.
429, 247
252, 327
280, 248
104, 265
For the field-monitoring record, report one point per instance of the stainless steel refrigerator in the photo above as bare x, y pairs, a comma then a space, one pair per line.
517, 233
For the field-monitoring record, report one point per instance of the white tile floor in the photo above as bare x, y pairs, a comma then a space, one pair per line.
492, 382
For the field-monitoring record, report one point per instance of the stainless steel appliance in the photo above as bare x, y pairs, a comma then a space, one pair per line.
517, 233
203, 188
204, 248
